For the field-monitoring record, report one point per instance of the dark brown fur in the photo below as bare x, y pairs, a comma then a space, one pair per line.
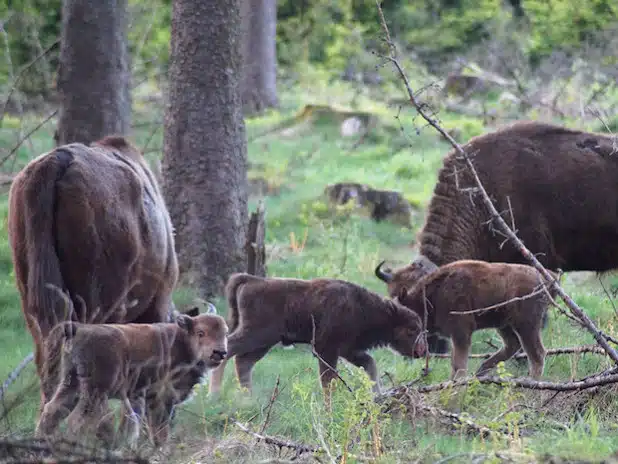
349, 320
150, 366
469, 285
91, 220
562, 188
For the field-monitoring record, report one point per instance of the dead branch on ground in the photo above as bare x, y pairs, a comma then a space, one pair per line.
596, 349
299, 448
495, 215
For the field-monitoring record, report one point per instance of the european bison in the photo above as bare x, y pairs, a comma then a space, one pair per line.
560, 185
149, 367
341, 318
480, 289
91, 220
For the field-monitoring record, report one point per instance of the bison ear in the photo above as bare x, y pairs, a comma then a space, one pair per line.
185, 322
210, 308
195, 311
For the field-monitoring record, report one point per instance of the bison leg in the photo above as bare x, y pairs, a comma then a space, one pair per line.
459, 358
364, 360
511, 345
244, 365
158, 415
91, 413
532, 343
327, 362
60, 406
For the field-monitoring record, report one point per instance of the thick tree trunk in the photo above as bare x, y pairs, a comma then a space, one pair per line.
93, 73
259, 71
205, 152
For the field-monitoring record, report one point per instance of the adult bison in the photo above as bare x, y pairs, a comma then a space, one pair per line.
91, 221
561, 185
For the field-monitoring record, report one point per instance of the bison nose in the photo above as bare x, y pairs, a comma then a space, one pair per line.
218, 355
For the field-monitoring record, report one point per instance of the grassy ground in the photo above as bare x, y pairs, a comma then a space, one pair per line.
307, 238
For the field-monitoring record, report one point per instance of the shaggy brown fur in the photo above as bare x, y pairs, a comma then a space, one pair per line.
349, 320
153, 366
563, 193
91, 220
468, 285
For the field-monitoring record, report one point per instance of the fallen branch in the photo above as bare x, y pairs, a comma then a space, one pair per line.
495, 216
299, 448
499, 305
551, 352
523, 382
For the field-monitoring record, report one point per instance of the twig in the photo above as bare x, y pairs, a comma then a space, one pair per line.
298, 447
609, 297
269, 408
20, 75
499, 305
315, 353
573, 307
14, 374
25, 137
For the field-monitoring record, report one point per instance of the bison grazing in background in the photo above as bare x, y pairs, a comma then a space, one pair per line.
481, 289
90, 220
560, 185
340, 318
150, 367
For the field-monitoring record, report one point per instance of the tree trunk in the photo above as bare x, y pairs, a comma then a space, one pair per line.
205, 152
259, 72
93, 72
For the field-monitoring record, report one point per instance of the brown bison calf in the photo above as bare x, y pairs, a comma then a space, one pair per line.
456, 295
340, 318
154, 366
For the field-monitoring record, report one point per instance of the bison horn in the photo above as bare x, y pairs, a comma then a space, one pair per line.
383, 275
210, 308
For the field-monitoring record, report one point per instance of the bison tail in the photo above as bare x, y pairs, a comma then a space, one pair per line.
232, 287
55, 346
39, 199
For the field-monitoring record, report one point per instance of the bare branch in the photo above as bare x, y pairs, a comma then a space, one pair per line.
551, 352
499, 305
26, 137
297, 447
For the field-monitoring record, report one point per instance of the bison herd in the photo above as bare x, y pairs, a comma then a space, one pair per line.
95, 264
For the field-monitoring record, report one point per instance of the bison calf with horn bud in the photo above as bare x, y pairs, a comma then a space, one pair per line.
339, 318
462, 297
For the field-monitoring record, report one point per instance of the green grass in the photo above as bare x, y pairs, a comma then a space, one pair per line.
345, 244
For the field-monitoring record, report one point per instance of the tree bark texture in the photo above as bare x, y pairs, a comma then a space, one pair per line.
259, 56
205, 152
93, 73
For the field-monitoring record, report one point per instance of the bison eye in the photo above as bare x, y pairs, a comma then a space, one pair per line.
200, 334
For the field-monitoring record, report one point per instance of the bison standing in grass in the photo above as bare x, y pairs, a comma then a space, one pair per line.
149, 367
560, 185
339, 318
90, 220
464, 296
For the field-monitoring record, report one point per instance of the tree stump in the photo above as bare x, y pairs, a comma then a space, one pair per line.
255, 248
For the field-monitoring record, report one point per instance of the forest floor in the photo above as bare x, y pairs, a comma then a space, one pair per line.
306, 238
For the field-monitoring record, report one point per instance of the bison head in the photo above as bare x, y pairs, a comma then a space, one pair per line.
406, 277
207, 337
408, 337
